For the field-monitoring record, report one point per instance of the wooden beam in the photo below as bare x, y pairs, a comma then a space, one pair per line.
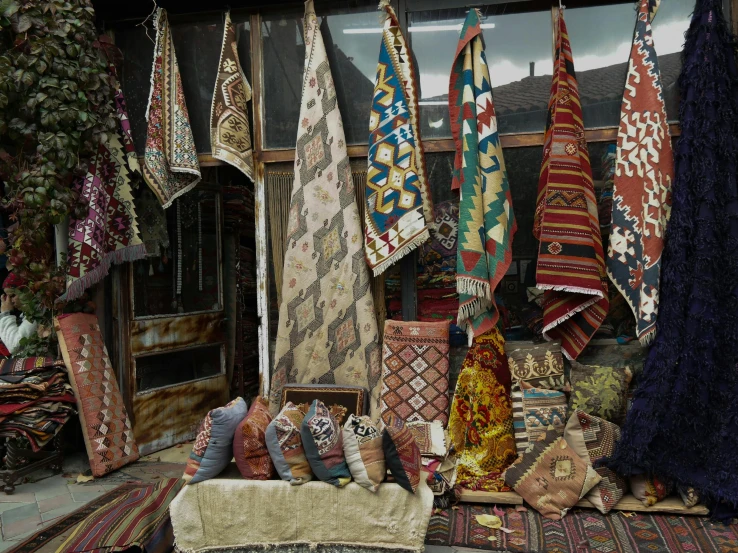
497, 498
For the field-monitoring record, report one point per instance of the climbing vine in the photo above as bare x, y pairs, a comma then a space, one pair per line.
55, 104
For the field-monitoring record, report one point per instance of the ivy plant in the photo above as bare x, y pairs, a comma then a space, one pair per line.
55, 105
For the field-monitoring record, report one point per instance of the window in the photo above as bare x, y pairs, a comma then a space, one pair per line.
352, 43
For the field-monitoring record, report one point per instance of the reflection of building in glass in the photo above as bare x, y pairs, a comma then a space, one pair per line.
521, 106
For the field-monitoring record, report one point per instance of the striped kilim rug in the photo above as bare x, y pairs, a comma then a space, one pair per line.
581, 531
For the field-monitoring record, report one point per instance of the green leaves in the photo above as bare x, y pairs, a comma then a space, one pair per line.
8, 8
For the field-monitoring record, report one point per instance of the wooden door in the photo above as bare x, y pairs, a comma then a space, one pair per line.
176, 326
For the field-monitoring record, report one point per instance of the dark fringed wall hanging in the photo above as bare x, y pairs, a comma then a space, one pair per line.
683, 424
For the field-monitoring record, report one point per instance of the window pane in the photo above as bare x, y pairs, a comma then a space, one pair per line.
601, 59
352, 54
197, 46
166, 369
518, 49
191, 264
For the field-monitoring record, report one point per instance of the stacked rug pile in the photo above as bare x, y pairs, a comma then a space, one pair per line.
36, 399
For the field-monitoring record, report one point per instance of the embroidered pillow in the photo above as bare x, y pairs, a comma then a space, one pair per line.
249, 443
600, 391
401, 453
534, 410
213, 448
551, 476
323, 441
284, 442
594, 439
649, 490
362, 445
430, 437
540, 365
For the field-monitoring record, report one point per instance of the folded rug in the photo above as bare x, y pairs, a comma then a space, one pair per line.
170, 166
106, 428
327, 323
642, 184
127, 521
397, 194
571, 265
486, 220
230, 137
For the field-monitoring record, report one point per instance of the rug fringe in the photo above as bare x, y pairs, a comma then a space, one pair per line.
471, 286
402, 252
648, 338
186, 188
76, 288
572, 289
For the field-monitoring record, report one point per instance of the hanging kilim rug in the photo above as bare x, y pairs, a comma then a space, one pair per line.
571, 265
126, 522
106, 428
580, 531
683, 421
397, 195
327, 330
486, 220
642, 188
170, 158
480, 426
230, 137
109, 232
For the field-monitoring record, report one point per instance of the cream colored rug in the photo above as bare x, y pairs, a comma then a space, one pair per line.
230, 513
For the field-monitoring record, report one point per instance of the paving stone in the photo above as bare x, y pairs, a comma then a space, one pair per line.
7, 506
56, 502
23, 526
85, 497
52, 488
18, 497
27, 511
60, 512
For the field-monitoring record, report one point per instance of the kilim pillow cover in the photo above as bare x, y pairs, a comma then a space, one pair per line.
534, 410
430, 437
401, 453
249, 443
600, 391
213, 448
322, 439
540, 365
594, 439
362, 445
415, 371
551, 476
284, 442
649, 490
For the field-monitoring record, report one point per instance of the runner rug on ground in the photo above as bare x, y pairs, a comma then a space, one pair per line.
108, 233
486, 220
106, 428
642, 183
327, 330
170, 165
397, 194
571, 265
580, 531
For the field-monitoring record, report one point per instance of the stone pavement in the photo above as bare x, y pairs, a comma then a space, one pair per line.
49, 496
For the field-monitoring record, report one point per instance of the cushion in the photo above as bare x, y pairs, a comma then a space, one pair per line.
284, 442
600, 391
649, 490
540, 365
430, 437
689, 496
401, 453
551, 476
249, 443
323, 441
213, 448
534, 410
415, 371
362, 445
594, 439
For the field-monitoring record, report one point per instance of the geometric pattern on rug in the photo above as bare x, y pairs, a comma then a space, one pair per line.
415, 385
581, 531
106, 428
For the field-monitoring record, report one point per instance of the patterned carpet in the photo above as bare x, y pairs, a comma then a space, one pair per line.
582, 531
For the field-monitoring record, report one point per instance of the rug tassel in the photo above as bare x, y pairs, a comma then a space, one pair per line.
473, 287
402, 252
